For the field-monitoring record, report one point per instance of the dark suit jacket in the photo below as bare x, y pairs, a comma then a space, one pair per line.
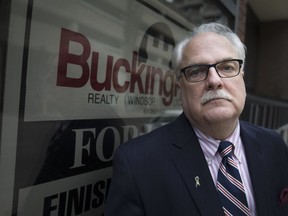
154, 175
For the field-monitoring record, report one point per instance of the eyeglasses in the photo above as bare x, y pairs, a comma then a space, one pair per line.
225, 69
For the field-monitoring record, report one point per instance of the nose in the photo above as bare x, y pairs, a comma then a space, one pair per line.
213, 80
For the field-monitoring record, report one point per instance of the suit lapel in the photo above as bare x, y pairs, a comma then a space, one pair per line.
189, 159
256, 166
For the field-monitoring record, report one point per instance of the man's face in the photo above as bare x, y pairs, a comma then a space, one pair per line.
210, 48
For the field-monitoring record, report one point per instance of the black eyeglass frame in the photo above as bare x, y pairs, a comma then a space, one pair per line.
240, 61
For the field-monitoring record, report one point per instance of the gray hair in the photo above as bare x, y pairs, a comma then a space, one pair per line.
217, 28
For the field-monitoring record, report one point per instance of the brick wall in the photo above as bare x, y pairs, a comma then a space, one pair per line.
241, 22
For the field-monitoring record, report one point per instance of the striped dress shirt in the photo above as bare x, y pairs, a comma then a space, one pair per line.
210, 145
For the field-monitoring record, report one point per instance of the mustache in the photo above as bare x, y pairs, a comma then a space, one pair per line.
213, 95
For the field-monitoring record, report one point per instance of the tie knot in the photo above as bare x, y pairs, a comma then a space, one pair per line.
225, 148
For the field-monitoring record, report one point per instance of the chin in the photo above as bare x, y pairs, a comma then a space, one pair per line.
220, 115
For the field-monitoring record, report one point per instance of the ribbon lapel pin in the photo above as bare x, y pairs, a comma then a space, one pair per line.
197, 181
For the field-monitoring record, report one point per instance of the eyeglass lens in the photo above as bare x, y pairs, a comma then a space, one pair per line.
225, 69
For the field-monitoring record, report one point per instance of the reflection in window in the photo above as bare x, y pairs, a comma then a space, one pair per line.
201, 11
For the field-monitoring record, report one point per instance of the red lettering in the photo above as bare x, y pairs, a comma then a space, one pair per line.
168, 93
143, 78
106, 84
159, 72
119, 64
147, 81
136, 75
66, 58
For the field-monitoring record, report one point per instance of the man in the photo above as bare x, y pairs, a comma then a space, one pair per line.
178, 169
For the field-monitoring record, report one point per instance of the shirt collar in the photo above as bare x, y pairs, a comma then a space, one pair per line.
210, 145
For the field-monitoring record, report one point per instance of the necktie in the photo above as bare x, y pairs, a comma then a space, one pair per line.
229, 184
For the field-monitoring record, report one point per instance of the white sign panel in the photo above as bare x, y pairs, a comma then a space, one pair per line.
99, 60
78, 195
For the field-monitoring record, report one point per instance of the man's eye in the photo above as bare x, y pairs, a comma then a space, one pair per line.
194, 72
227, 67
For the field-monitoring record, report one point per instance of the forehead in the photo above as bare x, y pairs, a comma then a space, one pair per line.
208, 47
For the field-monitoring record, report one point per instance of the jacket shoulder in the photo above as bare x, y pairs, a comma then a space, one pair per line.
160, 138
256, 129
